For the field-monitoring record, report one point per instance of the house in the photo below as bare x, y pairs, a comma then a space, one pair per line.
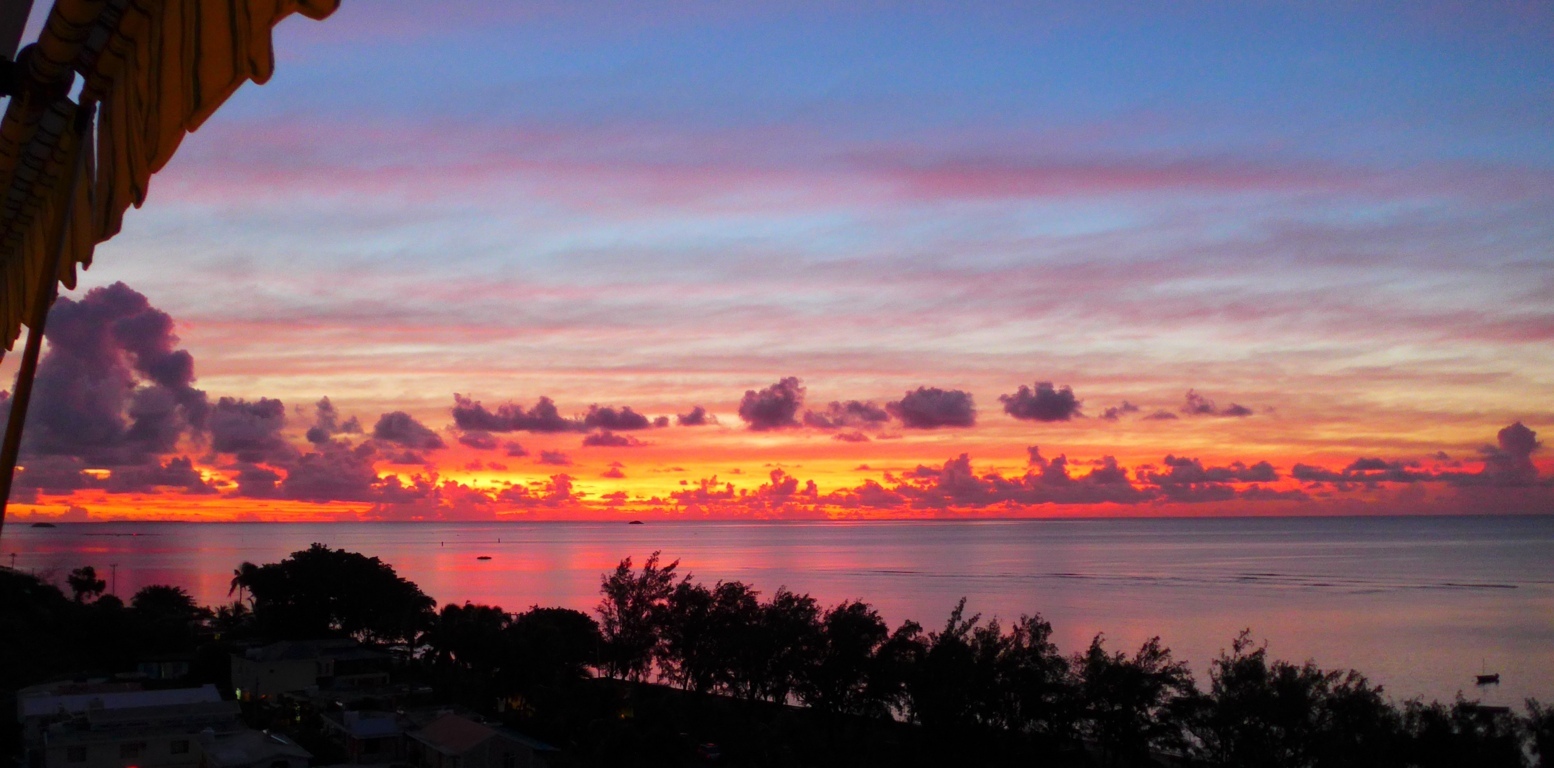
168, 667
455, 741
309, 666
110, 726
367, 736
252, 749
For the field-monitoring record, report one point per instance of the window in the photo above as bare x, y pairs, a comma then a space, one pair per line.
75, 754
179, 747
132, 749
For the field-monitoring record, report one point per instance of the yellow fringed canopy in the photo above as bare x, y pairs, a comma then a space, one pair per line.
155, 69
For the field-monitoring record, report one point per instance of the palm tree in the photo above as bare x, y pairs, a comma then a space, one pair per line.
242, 577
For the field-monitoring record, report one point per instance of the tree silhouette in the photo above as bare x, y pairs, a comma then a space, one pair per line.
845, 661
84, 583
630, 608
948, 684
1463, 734
687, 654
1280, 714
242, 576
233, 617
1133, 706
164, 603
468, 636
1539, 725
734, 649
895, 664
164, 619
979, 692
546, 648
321, 591
788, 637
1036, 684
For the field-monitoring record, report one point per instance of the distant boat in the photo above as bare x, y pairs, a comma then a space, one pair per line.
43, 525
635, 522
483, 557
1484, 678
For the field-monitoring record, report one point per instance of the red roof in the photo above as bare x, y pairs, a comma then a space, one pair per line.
453, 735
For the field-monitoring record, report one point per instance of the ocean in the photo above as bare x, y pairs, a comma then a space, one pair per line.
1418, 604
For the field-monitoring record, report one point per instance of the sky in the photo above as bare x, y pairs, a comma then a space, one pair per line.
571, 260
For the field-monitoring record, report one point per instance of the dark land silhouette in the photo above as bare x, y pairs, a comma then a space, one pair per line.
677, 672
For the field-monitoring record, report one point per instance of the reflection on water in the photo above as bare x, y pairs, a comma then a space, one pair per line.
1419, 604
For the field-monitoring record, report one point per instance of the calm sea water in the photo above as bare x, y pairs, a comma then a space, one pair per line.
1420, 605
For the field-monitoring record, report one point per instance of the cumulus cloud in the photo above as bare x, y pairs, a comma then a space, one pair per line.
470, 415
606, 439
64, 475
113, 389
335, 472
1161, 415
697, 417
775, 407
514, 450
556, 458
1186, 471
480, 441
257, 482
784, 493
852, 437
1198, 405
177, 473
1509, 461
607, 418
327, 424
1118, 411
1044, 403
931, 408
404, 430
556, 492
250, 431
1034, 457
429, 498
955, 485
1507, 464
851, 414
614, 473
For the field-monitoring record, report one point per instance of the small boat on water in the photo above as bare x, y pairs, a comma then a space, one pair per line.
635, 522
1484, 677
483, 557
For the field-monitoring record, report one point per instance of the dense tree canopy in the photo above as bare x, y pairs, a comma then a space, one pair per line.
84, 583
1007, 690
320, 591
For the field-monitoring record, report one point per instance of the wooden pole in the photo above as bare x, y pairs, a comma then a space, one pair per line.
43, 300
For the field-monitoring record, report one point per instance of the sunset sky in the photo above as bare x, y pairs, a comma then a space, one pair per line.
919, 259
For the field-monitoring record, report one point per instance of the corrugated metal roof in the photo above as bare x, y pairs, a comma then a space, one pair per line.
77, 703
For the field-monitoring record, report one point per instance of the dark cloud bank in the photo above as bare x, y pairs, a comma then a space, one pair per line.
115, 392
